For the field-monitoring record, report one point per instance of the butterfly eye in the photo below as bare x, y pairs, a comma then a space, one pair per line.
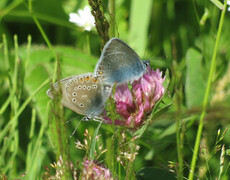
146, 63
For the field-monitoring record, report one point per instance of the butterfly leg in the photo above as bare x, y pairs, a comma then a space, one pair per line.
98, 119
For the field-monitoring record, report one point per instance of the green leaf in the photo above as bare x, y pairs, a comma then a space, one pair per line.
218, 4
139, 24
32, 82
154, 174
166, 81
51, 8
194, 84
141, 131
3, 4
94, 142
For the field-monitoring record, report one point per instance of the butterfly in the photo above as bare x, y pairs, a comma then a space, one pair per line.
119, 63
85, 94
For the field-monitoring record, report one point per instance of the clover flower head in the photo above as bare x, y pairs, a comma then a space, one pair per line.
83, 18
135, 104
93, 170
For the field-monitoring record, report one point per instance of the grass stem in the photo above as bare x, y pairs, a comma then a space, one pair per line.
112, 26
207, 92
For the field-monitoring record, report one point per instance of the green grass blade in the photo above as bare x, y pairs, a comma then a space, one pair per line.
139, 24
94, 142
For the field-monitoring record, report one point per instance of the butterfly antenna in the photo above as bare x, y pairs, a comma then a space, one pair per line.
70, 120
76, 128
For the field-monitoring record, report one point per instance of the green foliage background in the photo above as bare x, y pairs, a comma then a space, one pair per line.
175, 35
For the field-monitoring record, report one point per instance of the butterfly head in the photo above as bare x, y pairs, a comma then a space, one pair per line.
146, 63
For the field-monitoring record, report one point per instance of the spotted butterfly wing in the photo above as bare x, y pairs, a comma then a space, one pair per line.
119, 63
85, 94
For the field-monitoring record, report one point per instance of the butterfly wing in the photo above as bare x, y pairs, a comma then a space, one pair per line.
119, 63
84, 94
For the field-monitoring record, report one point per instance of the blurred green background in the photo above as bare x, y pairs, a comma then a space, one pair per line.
178, 35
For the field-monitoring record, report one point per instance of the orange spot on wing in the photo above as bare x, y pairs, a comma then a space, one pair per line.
81, 79
87, 78
95, 80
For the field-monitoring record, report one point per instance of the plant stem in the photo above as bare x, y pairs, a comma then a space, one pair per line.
112, 18
178, 137
101, 23
205, 102
9, 8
